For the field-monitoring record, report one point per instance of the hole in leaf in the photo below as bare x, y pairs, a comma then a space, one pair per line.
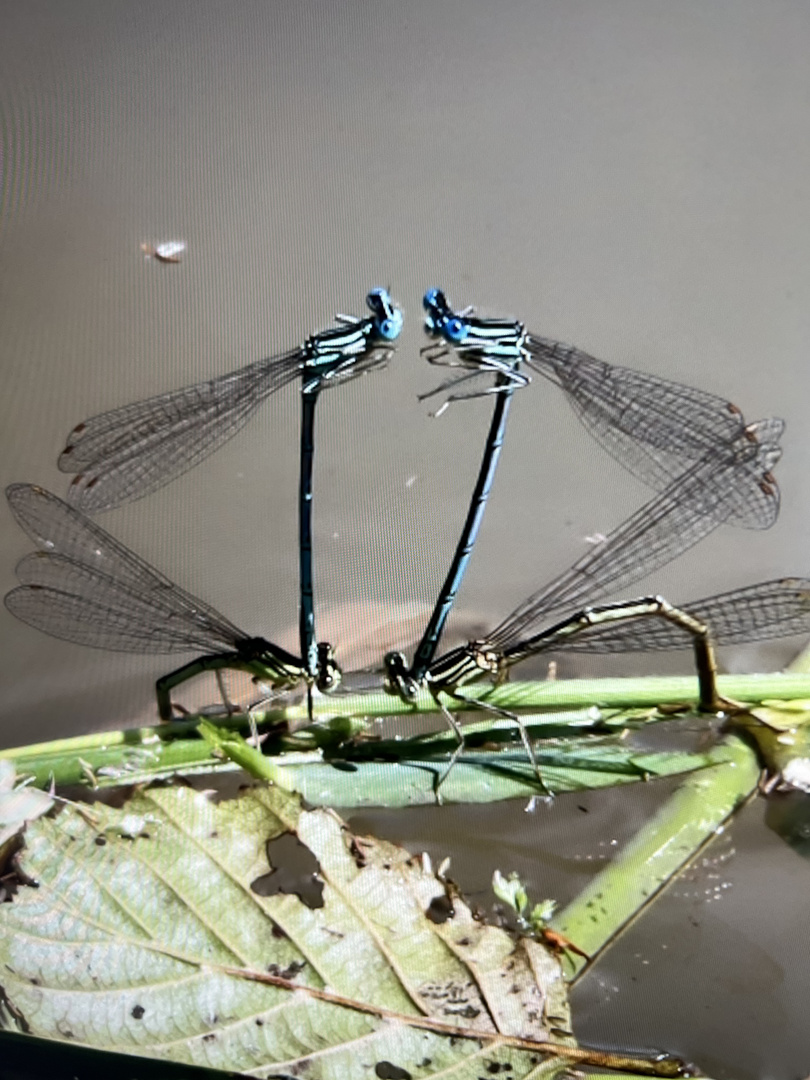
294, 873
386, 1070
439, 910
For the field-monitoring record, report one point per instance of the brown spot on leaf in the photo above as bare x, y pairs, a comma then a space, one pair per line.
386, 1070
288, 972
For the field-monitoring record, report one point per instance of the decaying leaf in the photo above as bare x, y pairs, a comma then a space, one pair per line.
153, 941
18, 805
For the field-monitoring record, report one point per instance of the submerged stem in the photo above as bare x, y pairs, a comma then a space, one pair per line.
649, 862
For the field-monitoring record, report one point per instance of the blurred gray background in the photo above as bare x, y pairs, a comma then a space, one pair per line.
628, 176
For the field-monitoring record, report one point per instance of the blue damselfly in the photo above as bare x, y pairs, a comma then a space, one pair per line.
656, 428
134, 450
729, 481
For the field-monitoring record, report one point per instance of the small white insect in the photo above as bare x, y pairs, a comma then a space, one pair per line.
170, 251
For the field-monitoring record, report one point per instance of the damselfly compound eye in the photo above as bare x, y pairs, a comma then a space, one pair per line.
391, 327
455, 329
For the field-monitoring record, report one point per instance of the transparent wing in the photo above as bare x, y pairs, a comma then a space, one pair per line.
653, 427
769, 609
163, 617
86, 622
80, 559
734, 478
134, 450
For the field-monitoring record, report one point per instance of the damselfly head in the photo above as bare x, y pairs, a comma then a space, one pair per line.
441, 319
455, 329
388, 321
397, 679
435, 302
389, 329
329, 674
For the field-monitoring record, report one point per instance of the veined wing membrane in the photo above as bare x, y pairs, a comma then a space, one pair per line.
106, 610
79, 556
654, 427
727, 479
132, 451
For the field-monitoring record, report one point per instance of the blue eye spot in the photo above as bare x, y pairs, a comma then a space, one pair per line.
390, 328
455, 329
432, 299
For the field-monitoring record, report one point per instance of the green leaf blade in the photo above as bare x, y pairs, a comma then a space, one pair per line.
147, 937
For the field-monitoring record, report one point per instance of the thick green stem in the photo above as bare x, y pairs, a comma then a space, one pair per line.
142, 754
664, 846
580, 693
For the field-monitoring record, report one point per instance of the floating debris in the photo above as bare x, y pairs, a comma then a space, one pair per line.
171, 251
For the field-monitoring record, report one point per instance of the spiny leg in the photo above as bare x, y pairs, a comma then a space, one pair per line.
230, 708
470, 703
455, 727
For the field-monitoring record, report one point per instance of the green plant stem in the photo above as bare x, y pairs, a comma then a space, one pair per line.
691, 817
142, 754
581, 693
